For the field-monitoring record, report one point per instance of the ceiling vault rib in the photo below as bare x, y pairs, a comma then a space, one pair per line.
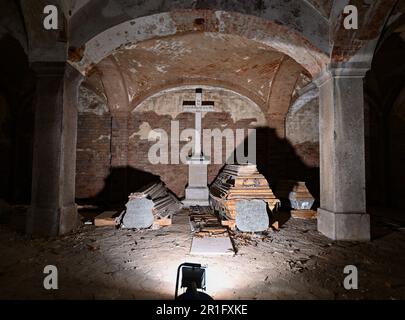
124, 84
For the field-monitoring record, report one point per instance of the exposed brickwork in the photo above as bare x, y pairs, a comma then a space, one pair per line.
129, 168
93, 153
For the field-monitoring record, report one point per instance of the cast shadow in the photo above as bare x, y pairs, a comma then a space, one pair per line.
117, 186
278, 161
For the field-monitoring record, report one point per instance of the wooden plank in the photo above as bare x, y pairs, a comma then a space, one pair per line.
304, 214
107, 218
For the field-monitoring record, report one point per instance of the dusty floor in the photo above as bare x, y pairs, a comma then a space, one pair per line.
294, 263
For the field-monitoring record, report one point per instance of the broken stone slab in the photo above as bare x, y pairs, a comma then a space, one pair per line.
251, 215
138, 214
166, 204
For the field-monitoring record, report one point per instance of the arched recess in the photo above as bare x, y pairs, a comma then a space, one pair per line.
17, 88
308, 17
233, 110
278, 37
385, 89
99, 54
163, 110
195, 83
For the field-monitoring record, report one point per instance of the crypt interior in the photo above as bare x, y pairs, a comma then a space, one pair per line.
82, 106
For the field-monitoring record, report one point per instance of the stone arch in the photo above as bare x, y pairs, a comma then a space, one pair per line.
207, 87
208, 83
269, 33
161, 109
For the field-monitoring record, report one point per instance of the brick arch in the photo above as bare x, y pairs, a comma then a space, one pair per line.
269, 33
182, 84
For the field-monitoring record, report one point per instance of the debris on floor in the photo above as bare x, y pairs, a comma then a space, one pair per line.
297, 263
204, 223
243, 239
165, 202
209, 236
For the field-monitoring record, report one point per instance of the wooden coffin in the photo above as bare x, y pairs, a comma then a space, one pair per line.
237, 182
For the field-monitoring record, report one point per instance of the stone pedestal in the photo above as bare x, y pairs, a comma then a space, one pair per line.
197, 192
342, 214
53, 210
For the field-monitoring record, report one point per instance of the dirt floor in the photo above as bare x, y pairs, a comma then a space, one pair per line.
294, 263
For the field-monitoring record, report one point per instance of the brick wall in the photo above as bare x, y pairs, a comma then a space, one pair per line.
112, 150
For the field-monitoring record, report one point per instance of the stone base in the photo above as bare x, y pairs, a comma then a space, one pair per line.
347, 226
196, 196
44, 222
198, 160
195, 202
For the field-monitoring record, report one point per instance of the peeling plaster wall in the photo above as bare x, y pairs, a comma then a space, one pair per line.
85, 54
93, 144
295, 14
243, 65
109, 143
91, 102
302, 128
232, 111
169, 102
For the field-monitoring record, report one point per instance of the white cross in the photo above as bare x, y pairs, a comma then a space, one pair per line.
198, 106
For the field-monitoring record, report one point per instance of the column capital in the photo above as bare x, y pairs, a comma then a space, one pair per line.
341, 70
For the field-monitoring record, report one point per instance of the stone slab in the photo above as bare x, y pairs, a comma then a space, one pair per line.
197, 175
212, 246
197, 193
195, 202
139, 214
251, 215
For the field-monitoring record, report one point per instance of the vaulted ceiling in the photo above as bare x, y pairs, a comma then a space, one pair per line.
263, 49
135, 72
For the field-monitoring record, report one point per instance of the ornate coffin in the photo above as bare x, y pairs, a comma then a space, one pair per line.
295, 194
239, 182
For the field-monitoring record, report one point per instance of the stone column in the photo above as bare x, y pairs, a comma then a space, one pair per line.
53, 209
342, 213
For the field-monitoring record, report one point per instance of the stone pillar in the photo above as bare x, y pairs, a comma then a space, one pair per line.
53, 210
342, 213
